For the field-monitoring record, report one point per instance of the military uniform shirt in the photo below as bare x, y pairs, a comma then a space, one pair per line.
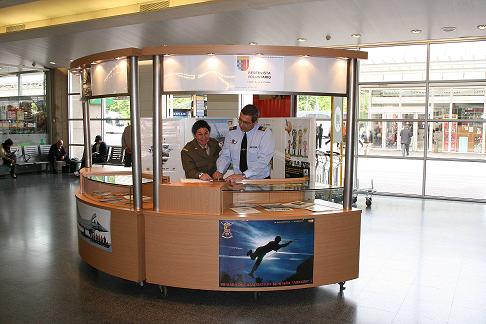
195, 159
260, 149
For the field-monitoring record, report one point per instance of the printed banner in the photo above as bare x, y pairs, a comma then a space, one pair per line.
94, 225
298, 148
266, 253
250, 73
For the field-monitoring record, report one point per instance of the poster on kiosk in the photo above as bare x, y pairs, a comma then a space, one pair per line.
268, 253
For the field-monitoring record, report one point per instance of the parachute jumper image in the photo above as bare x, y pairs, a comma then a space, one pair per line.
266, 253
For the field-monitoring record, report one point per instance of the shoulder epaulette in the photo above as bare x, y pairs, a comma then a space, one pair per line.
232, 128
262, 128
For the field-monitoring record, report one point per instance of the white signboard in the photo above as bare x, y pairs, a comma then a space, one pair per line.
109, 78
94, 225
252, 73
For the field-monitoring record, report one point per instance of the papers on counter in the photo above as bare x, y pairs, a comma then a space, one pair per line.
245, 210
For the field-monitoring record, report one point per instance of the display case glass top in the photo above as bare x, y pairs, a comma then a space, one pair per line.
239, 187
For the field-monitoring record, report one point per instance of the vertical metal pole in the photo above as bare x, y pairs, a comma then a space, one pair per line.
426, 121
87, 134
157, 127
135, 119
350, 132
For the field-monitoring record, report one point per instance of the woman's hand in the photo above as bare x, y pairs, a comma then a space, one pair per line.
205, 177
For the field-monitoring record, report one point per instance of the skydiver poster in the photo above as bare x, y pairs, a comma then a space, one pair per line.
94, 225
266, 253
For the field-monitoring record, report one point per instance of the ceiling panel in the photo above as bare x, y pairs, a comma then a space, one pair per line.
240, 22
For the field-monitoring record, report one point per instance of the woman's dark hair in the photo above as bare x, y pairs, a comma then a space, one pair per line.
251, 110
200, 124
8, 142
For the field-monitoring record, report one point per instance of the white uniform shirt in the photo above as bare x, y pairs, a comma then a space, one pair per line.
260, 149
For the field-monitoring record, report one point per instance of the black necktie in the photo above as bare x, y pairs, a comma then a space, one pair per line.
243, 163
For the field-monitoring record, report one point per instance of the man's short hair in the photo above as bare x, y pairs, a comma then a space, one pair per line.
200, 124
8, 142
251, 110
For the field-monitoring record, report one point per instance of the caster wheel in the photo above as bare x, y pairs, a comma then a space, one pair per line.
163, 290
341, 286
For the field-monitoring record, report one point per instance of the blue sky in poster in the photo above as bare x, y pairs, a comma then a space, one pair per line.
275, 266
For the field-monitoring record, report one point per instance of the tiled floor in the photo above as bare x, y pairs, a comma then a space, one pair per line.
421, 262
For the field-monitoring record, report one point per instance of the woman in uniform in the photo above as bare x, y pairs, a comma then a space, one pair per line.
199, 155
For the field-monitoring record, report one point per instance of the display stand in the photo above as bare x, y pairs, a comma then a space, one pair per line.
181, 237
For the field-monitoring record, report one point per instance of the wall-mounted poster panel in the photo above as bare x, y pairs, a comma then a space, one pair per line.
266, 253
94, 225
109, 78
252, 73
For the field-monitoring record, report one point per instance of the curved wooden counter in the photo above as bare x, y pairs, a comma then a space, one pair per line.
127, 257
180, 245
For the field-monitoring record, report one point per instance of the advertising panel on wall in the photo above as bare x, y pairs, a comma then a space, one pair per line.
250, 73
268, 253
94, 226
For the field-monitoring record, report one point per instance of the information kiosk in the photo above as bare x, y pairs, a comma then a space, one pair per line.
257, 235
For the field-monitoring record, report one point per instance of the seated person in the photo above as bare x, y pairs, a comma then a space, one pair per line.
99, 150
199, 155
57, 153
7, 157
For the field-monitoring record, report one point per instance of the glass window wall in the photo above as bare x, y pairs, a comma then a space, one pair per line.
108, 118
446, 130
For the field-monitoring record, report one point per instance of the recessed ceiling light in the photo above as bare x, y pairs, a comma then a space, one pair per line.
211, 54
356, 35
167, 54
481, 27
448, 28
259, 54
416, 31
252, 43
301, 39
53, 63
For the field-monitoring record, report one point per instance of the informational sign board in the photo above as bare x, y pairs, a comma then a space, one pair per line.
250, 73
294, 155
266, 253
94, 225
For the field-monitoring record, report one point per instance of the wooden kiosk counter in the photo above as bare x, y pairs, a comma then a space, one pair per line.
202, 234
262, 235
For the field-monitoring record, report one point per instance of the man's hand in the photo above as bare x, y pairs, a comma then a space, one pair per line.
205, 177
217, 175
235, 178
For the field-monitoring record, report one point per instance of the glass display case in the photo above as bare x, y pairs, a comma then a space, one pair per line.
281, 197
115, 189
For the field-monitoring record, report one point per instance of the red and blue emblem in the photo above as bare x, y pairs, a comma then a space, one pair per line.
243, 63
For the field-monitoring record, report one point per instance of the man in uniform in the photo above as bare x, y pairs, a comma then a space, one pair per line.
249, 147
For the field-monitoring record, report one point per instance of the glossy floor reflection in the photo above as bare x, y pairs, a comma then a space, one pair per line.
422, 261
